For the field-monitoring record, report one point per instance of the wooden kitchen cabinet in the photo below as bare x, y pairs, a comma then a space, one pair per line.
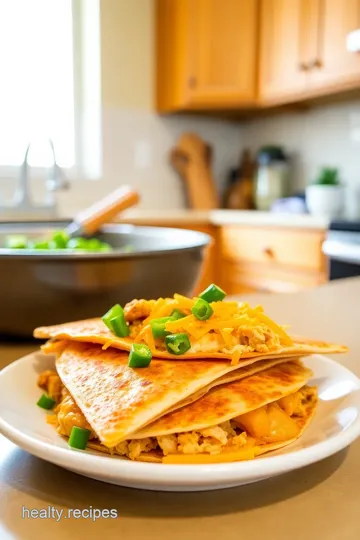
303, 50
262, 259
206, 54
335, 68
281, 72
249, 259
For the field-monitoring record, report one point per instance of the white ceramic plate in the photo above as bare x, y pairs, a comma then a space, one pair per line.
335, 426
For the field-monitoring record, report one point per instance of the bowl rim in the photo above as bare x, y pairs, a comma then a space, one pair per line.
193, 241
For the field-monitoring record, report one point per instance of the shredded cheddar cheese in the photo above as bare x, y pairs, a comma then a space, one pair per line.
233, 328
107, 344
235, 357
248, 451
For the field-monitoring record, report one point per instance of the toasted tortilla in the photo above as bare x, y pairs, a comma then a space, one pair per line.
224, 457
95, 331
237, 374
117, 400
230, 400
223, 403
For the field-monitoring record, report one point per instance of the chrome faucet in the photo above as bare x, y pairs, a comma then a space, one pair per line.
23, 203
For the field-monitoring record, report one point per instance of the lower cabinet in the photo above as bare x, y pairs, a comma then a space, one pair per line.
243, 259
257, 259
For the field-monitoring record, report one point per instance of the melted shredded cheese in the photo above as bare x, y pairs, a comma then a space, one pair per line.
237, 328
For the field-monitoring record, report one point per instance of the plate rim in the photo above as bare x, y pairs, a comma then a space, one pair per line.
192, 475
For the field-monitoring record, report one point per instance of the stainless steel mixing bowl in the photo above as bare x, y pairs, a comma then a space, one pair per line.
42, 288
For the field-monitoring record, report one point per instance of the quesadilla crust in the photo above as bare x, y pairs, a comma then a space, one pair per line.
230, 400
251, 449
117, 400
224, 441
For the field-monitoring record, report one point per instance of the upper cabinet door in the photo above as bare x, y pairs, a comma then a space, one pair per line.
223, 52
285, 35
332, 65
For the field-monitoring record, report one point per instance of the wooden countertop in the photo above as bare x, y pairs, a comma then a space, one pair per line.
298, 505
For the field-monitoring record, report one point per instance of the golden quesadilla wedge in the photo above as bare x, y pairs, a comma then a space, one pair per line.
117, 399
181, 328
233, 421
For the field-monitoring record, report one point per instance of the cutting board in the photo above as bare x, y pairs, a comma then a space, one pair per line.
192, 158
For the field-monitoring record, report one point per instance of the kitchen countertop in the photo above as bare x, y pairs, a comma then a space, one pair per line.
166, 217
219, 217
267, 219
225, 217
297, 505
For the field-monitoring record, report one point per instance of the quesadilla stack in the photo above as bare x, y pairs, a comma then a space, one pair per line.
234, 389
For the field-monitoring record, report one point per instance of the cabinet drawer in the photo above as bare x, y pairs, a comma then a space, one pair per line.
246, 277
296, 248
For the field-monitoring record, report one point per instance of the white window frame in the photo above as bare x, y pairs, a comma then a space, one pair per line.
87, 98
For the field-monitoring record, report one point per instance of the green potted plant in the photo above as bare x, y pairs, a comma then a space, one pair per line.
325, 196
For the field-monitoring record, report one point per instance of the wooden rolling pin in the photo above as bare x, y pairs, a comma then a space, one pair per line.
191, 157
88, 221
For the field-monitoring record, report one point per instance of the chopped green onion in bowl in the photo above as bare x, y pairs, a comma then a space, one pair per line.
16, 241
59, 241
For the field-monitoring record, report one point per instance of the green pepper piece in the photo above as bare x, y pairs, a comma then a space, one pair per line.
177, 314
213, 294
177, 343
158, 327
46, 402
119, 326
202, 310
115, 321
79, 438
140, 356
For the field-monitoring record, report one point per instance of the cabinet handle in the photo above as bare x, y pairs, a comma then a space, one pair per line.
308, 66
303, 66
269, 252
192, 82
263, 290
315, 64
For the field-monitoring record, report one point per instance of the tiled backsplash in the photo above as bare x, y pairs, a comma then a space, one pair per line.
321, 136
137, 146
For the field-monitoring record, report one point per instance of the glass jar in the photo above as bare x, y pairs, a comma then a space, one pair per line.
271, 181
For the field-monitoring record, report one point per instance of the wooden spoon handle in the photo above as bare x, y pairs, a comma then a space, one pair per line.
105, 210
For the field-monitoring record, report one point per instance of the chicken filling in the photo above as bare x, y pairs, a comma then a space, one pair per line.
276, 422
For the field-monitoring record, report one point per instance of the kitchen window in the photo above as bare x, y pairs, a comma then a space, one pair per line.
49, 87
